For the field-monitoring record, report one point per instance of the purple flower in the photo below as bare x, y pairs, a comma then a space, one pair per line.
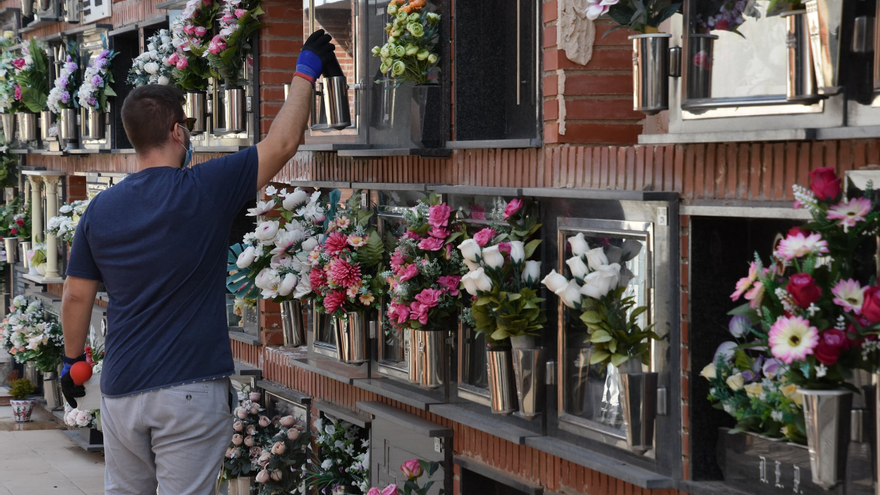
748, 376
65, 97
92, 101
104, 54
71, 66
97, 81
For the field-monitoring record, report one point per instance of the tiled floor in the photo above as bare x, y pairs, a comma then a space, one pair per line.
37, 458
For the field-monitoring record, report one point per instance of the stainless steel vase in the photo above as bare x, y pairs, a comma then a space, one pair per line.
52, 390
427, 363
235, 110
94, 124
825, 21
67, 128
335, 100
27, 8
827, 418
293, 324
45, 4
45, 124
32, 374
502, 392
8, 126
650, 72
27, 126
638, 401
801, 83
197, 108
700, 60
351, 337
24, 247
425, 122
241, 486
529, 367
11, 246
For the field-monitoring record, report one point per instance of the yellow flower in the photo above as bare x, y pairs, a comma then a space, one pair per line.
735, 382
754, 389
790, 392
709, 371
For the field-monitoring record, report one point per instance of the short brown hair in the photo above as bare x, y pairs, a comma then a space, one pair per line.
149, 112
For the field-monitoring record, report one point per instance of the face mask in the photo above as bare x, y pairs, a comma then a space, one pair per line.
189, 156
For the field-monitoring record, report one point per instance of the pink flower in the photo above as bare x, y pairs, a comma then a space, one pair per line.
419, 312
265, 421
200, 31
400, 312
702, 60
228, 18
410, 272
755, 294
189, 29
450, 284
411, 469
182, 63
344, 273
849, 295
240, 13
431, 244
409, 234
335, 243
390, 490
217, 45
429, 297
513, 207
278, 448
172, 60
792, 339
333, 301
484, 236
287, 421
439, 232
397, 259
746, 282
374, 491
263, 476
18, 63
317, 279
850, 213
504, 247
477, 212
17, 92
796, 246
438, 215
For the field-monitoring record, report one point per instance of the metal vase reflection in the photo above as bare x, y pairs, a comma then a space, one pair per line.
638, 401
197, 108
580, 374
427, 357
235, 110
530, 368
502, 392
32, 374
52, 390
27, 8
11, 246
45, 124
351, 337
93, 127
8, 126
293, 324
335, 99
827, 418
67, 128
801, 81
651, 72
700, 58
825, 24
241, 486
27, 126
45, 4
24, 247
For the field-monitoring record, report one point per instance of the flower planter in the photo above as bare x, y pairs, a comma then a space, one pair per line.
651, 72
235, 110
502, 392
293, 324
8, 126
700, 57
827, 418
241, 486
351, 337
32, 374
22, 409
27, 126
24, 247
52, 390
638, 403
67, 129
825, 24
27, 8
529, 367
801, 82
427, 357
45, 124
93, 124
335, 101
11, 246
197, 108
91, 436
425, 121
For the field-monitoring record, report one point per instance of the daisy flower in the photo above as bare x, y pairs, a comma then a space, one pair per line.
849, 295
793, 339
746, 282
797, 246
850, 213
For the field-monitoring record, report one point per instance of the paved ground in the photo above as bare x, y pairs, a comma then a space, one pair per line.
37, 458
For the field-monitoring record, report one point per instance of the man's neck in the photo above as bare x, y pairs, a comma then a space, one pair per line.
157, 158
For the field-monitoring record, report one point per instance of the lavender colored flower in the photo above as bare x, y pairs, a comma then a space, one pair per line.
748, 376
65, 97
97, 81
71, 65
93, 101
739, 326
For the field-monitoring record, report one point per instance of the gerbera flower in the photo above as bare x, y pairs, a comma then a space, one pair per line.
796, 246
793, 339
850, 213
849, 295
755, 294
746, 282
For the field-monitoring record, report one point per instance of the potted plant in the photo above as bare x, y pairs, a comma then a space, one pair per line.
32, 87
340, 462
64, 225
424, 287
152, 66
506, 307
19, 389
229, 51
410, 54
94, 91
62, 97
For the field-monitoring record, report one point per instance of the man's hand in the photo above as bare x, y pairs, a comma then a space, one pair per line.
69, 389
316, 55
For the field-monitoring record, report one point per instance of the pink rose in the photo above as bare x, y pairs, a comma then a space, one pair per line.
484, 236
240, 13
241, 413
374, 491
277, 475
251, 430
237, 439
254, 396
439, 232
400, 312
410, 272
409, 234
18, 63
513, 207
419, 312
200, 31
292, 434
504, 247
477, 212
17, 92
390, 490
450, 284
182, 63
263, 476
438, 215
172, 60
431, 244
264, 421
238, 426
217, 45
189, 29
397, 259
287, 421
429, 297
249, 441
825, 183
278, 448
411, 469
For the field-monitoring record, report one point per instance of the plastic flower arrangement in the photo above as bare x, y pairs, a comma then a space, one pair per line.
250, 430
749, 385
228, 50
77, 418
29, 335
284, 468
426, 269
190, 35
152, 67
341, 458
8, 102
723, 15
346, 270
96, 82
274, 262
501, 278
412, 469
599, 290
816, 310
8, 164
32, 77
642, 16
20, 224
63, 94
410, 54
64, 225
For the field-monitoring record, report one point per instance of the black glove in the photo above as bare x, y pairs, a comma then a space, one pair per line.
69, 389
331, 67
316, 52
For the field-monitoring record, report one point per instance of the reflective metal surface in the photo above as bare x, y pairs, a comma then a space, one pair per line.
197, 108
27, 8
11, 246
27, 126
8, 126
827, 418
427, 358
52, 390
801, 81
530, 366
32, 374
650, 73
24, 246
46, 118
336, 102
94, 126
700, 59
67, 129
240, 486
825, 18
638, 401
293, 324
579, 363
501, 385
235, 110
351, 337
44, 4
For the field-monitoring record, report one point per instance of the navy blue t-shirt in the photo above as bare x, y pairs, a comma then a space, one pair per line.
158, 240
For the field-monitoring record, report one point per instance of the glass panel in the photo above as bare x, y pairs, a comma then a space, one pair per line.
338, 19
278, 407
474, 371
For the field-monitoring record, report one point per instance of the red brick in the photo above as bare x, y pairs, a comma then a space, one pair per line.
271, 93
598, 84
594, 134
551, 85
280, 46
549, 38
549, 12
591, 109
282, 62
606, 37
272, 78
282, 10
551, 109
272, 337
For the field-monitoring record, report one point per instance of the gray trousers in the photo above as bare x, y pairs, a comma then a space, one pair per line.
173, 439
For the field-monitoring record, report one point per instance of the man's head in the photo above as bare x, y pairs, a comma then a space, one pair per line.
154, 120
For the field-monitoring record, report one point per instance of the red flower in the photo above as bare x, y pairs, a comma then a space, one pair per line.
344, 273
504, 247
831, 343
871, 306
803, 289
825, 184
335, 242
333, 301
439, 232
13, 231
794, 231
20, 222
317, 279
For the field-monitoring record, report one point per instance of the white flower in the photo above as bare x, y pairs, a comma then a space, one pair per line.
532, 272
475, 281
596, 258
309, 244
709, 371
266, 231
163, 80
492, 257
776, 415
578, 269
735, 382
570, 294
578, 245
554, 281
246, 257
294, 199
262, 208
287, 284
151, 67
327, 464
517, 251
470, 250
303, 288
821, 370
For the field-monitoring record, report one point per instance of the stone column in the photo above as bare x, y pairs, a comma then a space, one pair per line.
36, 210
51, 240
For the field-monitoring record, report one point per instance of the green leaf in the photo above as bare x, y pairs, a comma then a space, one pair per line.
33, 99
531, 246
618, 359
109, 91
597, 356
600, 336
590, 317
371, 253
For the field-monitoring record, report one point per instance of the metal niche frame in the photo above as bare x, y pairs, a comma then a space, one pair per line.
397, 369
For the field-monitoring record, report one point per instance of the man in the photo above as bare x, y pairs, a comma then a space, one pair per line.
158, 241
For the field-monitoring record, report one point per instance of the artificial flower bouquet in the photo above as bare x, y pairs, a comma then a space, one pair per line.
228, 50
346, 269
190, 36
722, 15
599, 290
815, 308
63, 93
64, 225
29, 335
251, 429
412, 469
95, 88
748, 384
32, 77
8, 176
636, 15
341, 458
78, 418
276, 259
20, 222
410, 53
284, 460
152, 66
502, 279
8, 102
425, 269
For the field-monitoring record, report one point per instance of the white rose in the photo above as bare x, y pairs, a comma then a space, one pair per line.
266, 231
708, 372
596, 258
554, 281
492, 257
612, 272
472, 265
287, 284
476, 280
164, 81
570, 294
309, 244
517, 251
267, 279
578, 245
151, 67
303, 288
578, 269
597, 284
532, 272
470, 250
295, 199
246, 257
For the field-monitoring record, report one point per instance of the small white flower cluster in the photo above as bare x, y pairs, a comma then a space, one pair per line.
61, 95
95, 82
786, 300
341, 448
77, 418
152, 67
869, 347
64, 225
841, 323
806, 199
821, 371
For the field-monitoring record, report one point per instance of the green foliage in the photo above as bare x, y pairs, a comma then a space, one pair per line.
372, 252
240, 281
614, 330
642, 15
229, 63
19, 388
35, 81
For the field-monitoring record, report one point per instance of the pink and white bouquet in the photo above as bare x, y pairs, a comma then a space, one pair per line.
31, 336
228, 50
346, 269
77, 418
190, 35
32, 77
63, 94
426, 269
8, 102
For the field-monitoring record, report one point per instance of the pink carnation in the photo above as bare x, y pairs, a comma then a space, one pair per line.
484, 236
449, 283
429, 297
334, 301
504, 247
431, 244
